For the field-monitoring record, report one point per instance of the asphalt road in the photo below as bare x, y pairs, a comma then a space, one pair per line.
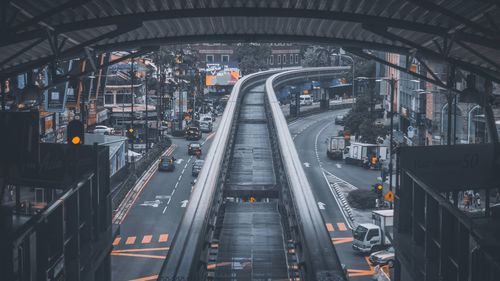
309, 135
150, 224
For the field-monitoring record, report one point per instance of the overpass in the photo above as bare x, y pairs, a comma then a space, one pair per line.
253, 155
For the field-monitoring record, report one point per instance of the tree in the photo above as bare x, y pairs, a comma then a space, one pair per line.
360, 121
252, 57
318, 56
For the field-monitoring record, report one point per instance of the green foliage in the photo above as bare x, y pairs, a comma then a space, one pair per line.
362, 199
252, 57
318, 56
361, 122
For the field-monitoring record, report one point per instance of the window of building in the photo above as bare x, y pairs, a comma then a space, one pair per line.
296, 58
225, 58
291, 58
279, 59
271, 59
284, 59
210, 58
108, 99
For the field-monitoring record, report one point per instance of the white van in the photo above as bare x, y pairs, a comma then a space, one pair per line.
306, 100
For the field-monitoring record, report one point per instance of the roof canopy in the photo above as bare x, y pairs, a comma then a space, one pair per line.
463, 32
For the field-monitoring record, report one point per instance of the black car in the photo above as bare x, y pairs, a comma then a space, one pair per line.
167, 164
193, 148
339, 120
193, 133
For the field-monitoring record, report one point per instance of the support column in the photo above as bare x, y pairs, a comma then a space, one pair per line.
4, 93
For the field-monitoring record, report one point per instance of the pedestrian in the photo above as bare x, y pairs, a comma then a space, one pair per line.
466, 200
477, 200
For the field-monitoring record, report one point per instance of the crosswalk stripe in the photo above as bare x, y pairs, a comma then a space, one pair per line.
341, 226
163, 238
146, 239
130, 240
329, 227
116, 241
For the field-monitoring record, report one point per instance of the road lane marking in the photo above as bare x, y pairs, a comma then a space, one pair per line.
358, 272
341, 226
329, 227
139, 256
341, 240
163, 238
342, 211
153, 277
130, 240
165, 209
179, 178
116, 241
146, 239
141, 250
338, 166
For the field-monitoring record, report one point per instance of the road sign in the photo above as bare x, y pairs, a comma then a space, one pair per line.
251, 200
389, 196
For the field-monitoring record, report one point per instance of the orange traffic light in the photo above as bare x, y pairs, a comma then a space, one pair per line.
75, 133
76, 140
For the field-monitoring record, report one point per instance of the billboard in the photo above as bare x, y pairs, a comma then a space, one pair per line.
217, 75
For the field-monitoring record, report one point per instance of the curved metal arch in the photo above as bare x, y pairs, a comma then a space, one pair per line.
245, 12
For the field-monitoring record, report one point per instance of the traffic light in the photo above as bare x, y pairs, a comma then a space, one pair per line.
378, 188
373, 160
75, 133
130, 134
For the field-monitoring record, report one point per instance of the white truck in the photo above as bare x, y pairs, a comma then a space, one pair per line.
376, 236
360, 153
335, 147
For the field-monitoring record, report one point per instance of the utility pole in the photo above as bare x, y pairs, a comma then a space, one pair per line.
132, 96
4, 92
392, 82
147, 120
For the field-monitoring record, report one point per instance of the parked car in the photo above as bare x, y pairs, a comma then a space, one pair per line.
167, 164
197, 165
383, 257
193, 147
104, 130
193, 133
339, 120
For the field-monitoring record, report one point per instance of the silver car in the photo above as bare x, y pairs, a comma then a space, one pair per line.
383, 257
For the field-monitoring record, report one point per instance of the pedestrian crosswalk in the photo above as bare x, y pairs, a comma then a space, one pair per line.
340, 226
145, 239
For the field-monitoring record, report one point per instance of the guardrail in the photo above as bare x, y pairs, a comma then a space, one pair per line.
185, 259
319, 260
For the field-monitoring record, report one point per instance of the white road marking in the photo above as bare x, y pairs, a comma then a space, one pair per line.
165, 209
184, 203
339, 166
154, 204
179, 161
321, 205
307, 164
179, 178
342, 211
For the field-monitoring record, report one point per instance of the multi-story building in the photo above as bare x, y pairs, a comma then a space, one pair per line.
284, 55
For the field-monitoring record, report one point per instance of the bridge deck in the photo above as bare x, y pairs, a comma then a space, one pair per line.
251, 243
252, 162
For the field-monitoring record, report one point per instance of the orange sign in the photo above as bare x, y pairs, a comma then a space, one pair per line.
252, 200
389, 196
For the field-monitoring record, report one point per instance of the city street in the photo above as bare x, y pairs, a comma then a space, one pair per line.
149, 226
309, 135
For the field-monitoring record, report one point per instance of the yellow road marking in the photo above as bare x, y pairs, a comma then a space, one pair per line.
146, 239
116, 241
130, 240
341, 226
163, 238
139, 256
153, 277
141, 250
329, 227
340, 240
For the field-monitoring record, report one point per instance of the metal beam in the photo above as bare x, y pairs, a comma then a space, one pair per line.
22, 51
72, 52
236, 12
382, 31
428, 5
49, 13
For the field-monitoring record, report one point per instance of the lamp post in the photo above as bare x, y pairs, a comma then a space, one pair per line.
147, 120
132, 101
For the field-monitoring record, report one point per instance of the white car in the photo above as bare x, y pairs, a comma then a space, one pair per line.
104, 130
383, 257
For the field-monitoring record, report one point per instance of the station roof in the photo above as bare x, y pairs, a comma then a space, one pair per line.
463, 32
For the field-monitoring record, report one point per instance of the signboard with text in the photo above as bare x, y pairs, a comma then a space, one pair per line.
457, 167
